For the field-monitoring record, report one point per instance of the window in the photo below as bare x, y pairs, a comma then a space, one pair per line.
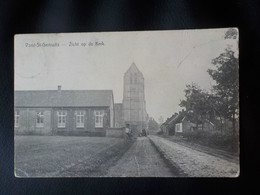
16, 119
62, 119
39, 119
178, 127
99, 118
80, 119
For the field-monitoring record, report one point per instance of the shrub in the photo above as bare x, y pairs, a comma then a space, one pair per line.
213, 139
160, 132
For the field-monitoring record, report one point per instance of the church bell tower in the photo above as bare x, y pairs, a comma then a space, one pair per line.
134, 106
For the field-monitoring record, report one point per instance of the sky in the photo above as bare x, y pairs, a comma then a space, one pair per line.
169, 60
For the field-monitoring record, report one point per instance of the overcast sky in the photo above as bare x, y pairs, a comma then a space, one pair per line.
168, 60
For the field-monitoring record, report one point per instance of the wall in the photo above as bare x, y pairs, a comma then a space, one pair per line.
165, 130
134, 109
115, 132
89, 122
178, 128
187, 126
119, 119
27, 121
68, 120
112, 113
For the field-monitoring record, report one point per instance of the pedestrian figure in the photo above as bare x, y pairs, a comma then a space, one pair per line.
144, 132
128, 132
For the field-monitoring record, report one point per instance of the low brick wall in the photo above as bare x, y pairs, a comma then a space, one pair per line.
31, 132
115, 132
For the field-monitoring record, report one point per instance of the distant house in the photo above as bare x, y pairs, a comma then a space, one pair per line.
67, 112
181, 123
168, 127
177, 119
184, 125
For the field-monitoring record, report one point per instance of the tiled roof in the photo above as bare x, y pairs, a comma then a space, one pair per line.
63, 98
176, 118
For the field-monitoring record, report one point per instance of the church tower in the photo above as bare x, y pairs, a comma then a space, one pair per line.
134, 108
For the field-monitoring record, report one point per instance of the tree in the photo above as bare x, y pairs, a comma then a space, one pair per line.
227, 84
197, 104
231, 34
161, 120
152, 124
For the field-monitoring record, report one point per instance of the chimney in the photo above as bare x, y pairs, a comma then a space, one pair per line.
59, 88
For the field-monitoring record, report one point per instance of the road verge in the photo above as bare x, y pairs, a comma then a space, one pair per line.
194, 163
170, 163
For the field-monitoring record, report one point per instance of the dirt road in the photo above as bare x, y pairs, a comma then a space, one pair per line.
141, 160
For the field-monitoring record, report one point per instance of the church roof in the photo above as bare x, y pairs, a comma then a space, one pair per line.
133, 69
63, 98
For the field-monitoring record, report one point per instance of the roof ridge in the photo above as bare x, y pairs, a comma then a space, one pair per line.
66, 90
38, 98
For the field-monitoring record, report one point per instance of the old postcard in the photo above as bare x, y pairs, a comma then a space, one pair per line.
127, 104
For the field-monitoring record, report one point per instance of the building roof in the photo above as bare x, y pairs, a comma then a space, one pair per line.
133, 69
175, 118
63, 98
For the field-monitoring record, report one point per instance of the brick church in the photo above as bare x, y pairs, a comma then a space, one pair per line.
133, 108
82, 112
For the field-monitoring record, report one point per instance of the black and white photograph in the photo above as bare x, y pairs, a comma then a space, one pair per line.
127, 104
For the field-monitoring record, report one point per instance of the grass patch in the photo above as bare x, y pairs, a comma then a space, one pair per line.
226, 142
48, 156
